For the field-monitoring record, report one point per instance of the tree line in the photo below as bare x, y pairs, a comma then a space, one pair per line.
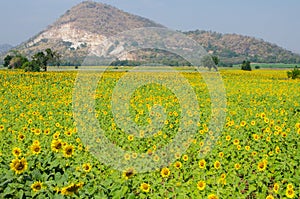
38, 62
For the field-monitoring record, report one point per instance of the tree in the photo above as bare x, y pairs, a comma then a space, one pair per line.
7, 60
31, 67
294, 74
207, 61
246, 65
43, 59
17, 61
215, 59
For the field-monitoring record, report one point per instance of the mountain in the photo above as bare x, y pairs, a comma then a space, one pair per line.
89, 23
234, 48
82, 27
5, 48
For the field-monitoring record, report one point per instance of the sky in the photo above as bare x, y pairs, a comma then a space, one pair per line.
275, 21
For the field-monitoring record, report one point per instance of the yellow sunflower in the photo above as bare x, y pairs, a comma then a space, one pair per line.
201, 185
261, 166
87, 167
68, 151
56, 145
217, 164
269, 197
36, 186
165, 172
290, 193
16, 151
128, 173
35, 149
177, 165
212, 196
202, 164
185, 158
237, 166
145, 187
276, 187
19, 166
71, 189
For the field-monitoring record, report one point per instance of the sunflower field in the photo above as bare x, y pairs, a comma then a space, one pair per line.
256, 155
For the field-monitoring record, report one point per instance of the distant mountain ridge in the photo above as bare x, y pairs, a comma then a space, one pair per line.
236, 48
88, 24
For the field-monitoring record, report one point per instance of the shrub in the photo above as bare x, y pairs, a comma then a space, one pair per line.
294, 74
246, 66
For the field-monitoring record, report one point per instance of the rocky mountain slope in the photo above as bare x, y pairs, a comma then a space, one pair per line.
89, 23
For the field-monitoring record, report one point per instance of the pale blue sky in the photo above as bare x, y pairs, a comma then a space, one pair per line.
276, 21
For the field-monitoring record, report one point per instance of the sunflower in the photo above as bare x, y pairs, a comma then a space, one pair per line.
68, 151
269, 197
145, 187
247, 148
212, 196
35, 149
56, 145
127, 156
1, 127
165, 172
87, 167
237, 166
276, 187
128, 173
261, 166
228, 138
130, 137
243, 123
36, 186
47, 131
217, 165
16, 151
202, 164
255, 136
37, 131
56, 135
236, 141
21, 137
68, 133
290, 186
177, 165
290, 193
201, 185
185, 158
71, 189
221, 154
18, 166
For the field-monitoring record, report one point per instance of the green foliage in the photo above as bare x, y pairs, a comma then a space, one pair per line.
246, 65
215, 59
257, 67
31, 67
39, 61
7, 60
208, 62
294, 74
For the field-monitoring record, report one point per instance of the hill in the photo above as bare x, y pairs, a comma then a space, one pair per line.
87, 24
83, 27
234, 48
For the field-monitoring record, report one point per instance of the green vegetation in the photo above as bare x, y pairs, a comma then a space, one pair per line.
246, 65
39, 60
294, 74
